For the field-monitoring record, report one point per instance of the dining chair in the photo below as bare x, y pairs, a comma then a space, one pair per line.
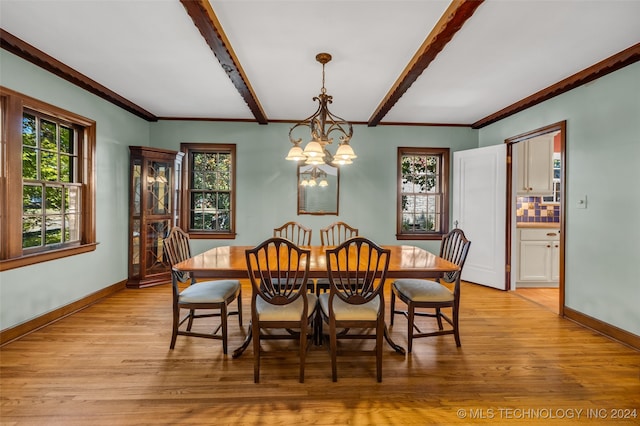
433, 295
206, 295
278, 270
336, 233
333, 235
294, 231
357, 269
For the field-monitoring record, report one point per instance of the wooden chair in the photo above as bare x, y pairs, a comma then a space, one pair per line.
207, 295
278, 270
357, 269
294, 231
337, 233
420, 294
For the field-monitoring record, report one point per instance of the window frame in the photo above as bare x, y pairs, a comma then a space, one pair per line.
12, 254
444, 156
185, 217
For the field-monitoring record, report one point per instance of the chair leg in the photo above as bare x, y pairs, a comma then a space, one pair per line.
393, 305
256, 350
223, 320
456, 333
303, 349
176, 320
240, 308
333, 344
379, 337
410, 320
439, 318
190, 322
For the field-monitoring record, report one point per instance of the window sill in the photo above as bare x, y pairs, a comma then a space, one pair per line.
32, 259
419, 236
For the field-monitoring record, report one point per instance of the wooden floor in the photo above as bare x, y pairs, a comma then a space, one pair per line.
519, 364
547, 297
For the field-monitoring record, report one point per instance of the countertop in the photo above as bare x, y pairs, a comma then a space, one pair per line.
542, 225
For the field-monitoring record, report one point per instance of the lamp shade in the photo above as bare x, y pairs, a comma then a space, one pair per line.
295, 154
345, 152
313, 149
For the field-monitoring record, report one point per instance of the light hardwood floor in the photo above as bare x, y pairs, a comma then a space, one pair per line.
519, 363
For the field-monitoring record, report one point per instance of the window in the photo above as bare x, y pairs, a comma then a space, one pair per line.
209, 204
423, 198
49, 160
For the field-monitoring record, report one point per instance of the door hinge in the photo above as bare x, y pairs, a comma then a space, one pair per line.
507, 268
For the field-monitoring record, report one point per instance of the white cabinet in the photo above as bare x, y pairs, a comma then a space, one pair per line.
538, 257
535, 166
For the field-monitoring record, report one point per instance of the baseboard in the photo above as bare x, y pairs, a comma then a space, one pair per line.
601, 327
13, 333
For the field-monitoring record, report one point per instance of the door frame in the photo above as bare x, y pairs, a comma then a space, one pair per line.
562, 127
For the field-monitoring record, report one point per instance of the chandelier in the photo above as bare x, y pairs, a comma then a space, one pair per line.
314, 176
321, 124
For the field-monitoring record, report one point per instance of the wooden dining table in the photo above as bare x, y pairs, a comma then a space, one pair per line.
230, 262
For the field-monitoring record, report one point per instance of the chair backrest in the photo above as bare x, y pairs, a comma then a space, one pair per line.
357, 269
278, 270
294, 231
454, 248
336, 234
177, 249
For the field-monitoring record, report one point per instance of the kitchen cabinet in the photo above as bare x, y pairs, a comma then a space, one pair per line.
153, 210
535, 166
538, 257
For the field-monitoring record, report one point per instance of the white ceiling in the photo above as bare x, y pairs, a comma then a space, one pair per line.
151, 53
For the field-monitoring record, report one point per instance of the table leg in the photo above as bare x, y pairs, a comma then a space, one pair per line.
244, 345
391, 343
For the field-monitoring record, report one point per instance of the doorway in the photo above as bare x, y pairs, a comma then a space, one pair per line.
542, 211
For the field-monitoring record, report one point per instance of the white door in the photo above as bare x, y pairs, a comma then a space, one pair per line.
479, 207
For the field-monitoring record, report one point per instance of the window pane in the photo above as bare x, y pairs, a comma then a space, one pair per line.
53, 196
48, 135
66, 140
28, 130
53, 228
71, 227
31, 231
65, 169
29, 163
72, 199
48, 166
32, 199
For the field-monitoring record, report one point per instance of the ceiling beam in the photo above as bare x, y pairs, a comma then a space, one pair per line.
449, 24
20, 48
602, 68
207, 23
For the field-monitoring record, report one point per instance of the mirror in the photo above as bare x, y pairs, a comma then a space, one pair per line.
318, 189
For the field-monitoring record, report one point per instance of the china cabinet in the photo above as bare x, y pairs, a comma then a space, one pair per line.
153, 210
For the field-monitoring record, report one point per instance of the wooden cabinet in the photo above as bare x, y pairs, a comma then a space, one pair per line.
153, 210
535, 166
538, 257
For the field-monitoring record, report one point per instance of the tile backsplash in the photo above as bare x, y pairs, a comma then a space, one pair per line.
531, 209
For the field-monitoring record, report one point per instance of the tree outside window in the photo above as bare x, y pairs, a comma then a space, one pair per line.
47, 157
209, 207
423, 199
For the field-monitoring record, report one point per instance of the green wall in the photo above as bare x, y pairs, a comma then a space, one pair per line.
29, 292
602, 257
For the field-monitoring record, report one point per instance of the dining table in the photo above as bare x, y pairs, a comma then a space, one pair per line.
229, 262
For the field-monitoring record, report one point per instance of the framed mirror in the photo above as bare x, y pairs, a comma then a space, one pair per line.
318, 189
